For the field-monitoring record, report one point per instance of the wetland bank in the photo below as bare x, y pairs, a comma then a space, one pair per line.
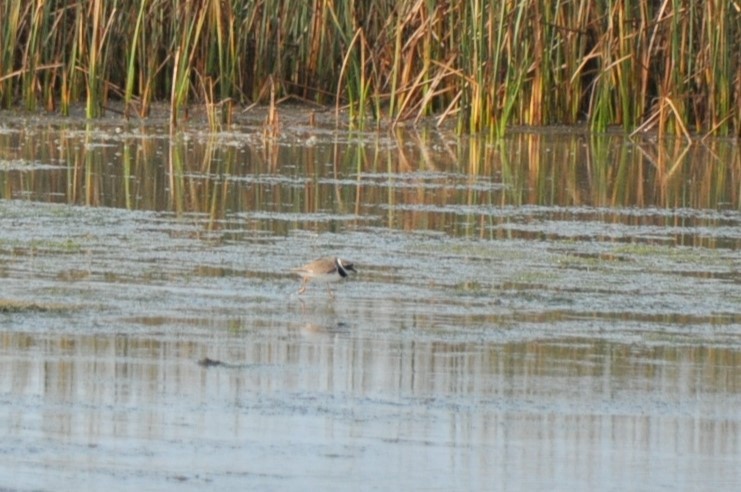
554, 310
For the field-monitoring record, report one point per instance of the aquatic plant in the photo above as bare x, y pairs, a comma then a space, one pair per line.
663, 66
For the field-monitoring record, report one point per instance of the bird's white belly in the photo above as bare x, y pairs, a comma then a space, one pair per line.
315, 277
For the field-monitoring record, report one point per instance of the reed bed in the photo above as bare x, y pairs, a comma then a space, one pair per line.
667, 66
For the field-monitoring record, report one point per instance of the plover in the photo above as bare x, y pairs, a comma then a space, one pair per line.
329, 269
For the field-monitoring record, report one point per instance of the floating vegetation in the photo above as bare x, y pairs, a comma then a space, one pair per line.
13, 306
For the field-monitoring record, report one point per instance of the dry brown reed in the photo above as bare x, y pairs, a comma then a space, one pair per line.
667, 66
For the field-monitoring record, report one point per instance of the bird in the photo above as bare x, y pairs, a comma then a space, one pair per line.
328, 269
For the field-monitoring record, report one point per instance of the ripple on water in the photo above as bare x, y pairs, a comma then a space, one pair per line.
481, 342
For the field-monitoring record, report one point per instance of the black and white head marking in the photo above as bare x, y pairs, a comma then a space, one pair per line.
340, 268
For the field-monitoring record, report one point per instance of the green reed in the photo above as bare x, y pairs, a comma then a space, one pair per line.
134, 49
100, 18
667, 66
11, 12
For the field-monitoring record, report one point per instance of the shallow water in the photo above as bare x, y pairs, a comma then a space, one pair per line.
549, 312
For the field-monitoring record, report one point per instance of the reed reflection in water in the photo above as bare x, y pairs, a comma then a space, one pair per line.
549, 311
407, 180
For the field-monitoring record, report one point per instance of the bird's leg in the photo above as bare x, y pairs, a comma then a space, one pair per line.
303, 287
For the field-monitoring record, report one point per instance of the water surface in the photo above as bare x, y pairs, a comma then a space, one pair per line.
553, 311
